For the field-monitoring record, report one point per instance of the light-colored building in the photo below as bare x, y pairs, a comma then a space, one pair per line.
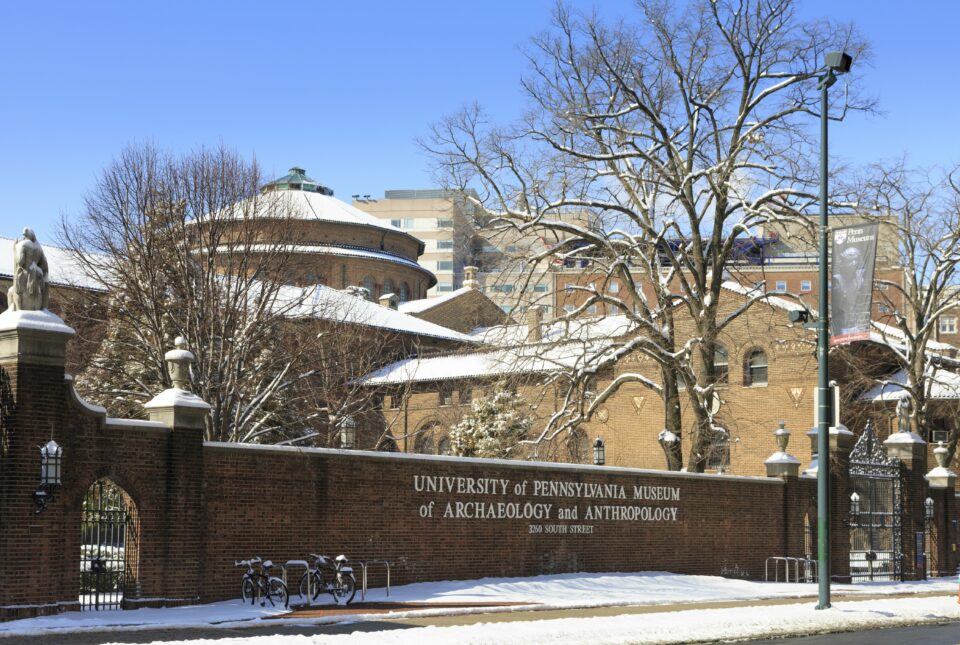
457, 233
444, 220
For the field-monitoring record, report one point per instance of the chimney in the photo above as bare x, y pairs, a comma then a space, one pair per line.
534, 318
389, 301
470, 277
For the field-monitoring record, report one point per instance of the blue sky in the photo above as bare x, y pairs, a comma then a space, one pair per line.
344, 89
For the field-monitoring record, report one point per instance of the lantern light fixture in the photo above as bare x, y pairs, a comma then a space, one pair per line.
599, 452
51, 463
348, 433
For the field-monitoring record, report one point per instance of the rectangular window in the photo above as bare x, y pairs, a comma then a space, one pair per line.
614, 287
805, 285
502, 288
444, 244
444, 286
444, 265
881, 286
781, 285
592, 309
395, 402
409, 223
940, 435
884, 309
396, 223
506, 308
444, 223
540, 288
948, 324
568, 309
466, 395
569, 287
446, 394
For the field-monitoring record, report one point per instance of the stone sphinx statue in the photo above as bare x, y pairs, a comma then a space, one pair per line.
30, 290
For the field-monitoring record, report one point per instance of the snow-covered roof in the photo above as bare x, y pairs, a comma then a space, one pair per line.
884, 334
328, 249
339, 306
304, 204
943, 385
65, 269
425, 304
774, 301
525, 359
581, 329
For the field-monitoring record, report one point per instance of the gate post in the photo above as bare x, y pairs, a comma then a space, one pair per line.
942, 482
911, 450
32, 394
185, 414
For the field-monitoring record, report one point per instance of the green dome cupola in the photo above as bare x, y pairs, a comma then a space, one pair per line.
297, 179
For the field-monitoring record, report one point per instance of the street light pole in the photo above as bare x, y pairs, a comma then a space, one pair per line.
836, 62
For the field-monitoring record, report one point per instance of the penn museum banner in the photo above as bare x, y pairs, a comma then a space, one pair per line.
851, 297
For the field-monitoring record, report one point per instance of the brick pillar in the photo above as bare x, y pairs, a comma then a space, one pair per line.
185, 414
784, 465
943, 530
841, 443
32, 351
911, 450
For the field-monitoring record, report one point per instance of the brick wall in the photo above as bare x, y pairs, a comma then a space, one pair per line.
284, 503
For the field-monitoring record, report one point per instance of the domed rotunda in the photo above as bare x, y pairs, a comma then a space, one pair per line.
327, 241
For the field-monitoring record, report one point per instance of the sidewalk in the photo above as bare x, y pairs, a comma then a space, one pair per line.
597, 607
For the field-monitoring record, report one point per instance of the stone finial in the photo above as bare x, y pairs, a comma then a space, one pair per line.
780, 463
940, 454
941, 477
782, 435
470, 277
179, 361
30, 289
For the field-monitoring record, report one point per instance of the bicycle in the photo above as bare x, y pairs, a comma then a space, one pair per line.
260, 584
329, 576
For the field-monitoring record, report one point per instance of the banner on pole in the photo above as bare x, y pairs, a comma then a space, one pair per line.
851, 297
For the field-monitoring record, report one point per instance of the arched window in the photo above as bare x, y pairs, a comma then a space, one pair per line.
445, 447
755, 368
370, 285
721, 364
388, 286
404, 292
425, 443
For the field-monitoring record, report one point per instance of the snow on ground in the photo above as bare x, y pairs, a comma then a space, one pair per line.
562, 591
666, 627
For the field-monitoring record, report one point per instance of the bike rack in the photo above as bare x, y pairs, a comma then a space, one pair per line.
363, 565
809, 566
306, 567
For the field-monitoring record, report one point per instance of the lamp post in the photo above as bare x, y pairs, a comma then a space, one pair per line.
835, 63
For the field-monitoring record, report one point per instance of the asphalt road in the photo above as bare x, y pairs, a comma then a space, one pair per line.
948, 634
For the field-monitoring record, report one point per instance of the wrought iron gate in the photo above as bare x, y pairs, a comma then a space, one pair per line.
876, 552
103, 535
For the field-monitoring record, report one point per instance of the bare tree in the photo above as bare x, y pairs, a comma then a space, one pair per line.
682, 134
924, 211
187, 246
